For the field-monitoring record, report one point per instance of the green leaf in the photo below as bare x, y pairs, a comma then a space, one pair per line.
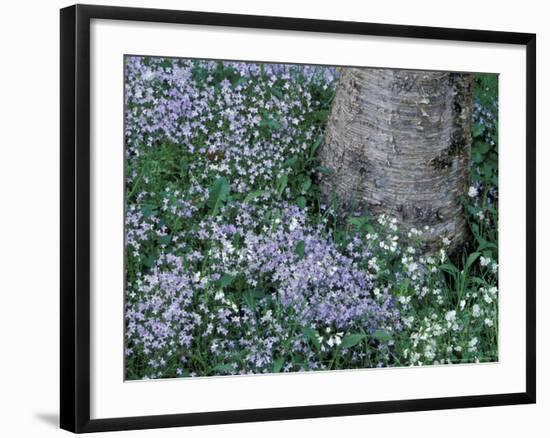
167, 63
225, 280
224, 367
184, 165
281, 185
471, 259
352, 340
357, 221
147, 211
275, 215
324, 170
276, 92
278, 364
149, 261
306, 185
477, 280
164, 240
320, 116
482, 147
249, 300
218, 194
482, 242
477, 130
448, 268
316, 145
488, 245
259, 294
301, 202
253, 195
477, 157
291, 161
404, 287
240, 81
270, 122
300, 249
185, 373
487, 170
382, 336
312, 336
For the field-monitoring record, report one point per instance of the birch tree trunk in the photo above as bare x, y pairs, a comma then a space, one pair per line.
398, 142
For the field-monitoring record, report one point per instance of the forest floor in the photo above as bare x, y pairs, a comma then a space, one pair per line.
235, 266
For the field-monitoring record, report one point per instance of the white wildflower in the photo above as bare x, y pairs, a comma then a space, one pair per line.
404, 300
472, 192
484, 261
408, 321
148, 75
429, 353
335, 340
424, 292
293, 224
472, 345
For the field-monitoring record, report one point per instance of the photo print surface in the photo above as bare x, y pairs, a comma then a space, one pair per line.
298, 218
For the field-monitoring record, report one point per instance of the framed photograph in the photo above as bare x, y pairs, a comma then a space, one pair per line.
267, 218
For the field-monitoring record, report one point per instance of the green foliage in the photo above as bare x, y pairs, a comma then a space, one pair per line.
300, 249
165, 172
218, 194
352, 340
312, 337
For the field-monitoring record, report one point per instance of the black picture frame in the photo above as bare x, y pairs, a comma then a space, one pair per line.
75, 217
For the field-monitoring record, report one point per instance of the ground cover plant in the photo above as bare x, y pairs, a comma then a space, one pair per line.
235, 263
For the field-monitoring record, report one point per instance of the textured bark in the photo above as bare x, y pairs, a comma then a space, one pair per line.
398, 142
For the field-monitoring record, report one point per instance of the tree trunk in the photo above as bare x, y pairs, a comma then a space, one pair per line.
398, 142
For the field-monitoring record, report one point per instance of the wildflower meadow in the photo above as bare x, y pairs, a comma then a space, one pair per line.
236, 264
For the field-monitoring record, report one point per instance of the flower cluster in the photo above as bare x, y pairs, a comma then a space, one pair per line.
282, 291
234, 266
244, 126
